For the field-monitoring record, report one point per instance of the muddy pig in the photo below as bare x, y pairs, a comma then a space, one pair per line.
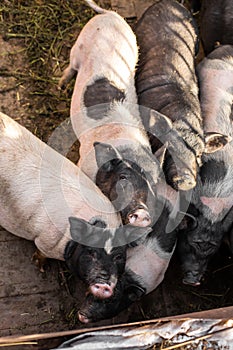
216, 23
41, 191
212, 199
104, 113
146, 263
166, 82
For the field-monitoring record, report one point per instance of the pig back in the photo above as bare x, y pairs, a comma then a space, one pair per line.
167, 38
215, 75
40, 189
105, 55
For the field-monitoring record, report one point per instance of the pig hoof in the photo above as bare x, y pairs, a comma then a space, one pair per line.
39, 260
82, 318
102, 291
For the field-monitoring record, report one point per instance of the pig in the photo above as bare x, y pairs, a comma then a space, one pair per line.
212, 199
46, 198
216, 21
114, 148
166, 82
146, 263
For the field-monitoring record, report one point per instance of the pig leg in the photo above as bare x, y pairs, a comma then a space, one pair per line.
39, 260
68, 74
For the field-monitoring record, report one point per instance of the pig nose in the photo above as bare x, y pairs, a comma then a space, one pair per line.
192, 280
101, 290
140, 217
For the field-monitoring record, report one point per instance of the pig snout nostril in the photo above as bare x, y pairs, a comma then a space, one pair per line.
101, 291
139, 218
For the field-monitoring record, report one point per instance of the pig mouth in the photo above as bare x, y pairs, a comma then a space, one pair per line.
139, 217
192, 279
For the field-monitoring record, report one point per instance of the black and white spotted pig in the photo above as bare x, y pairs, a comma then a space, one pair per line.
166, 82
41, 191
216, 23
146, 263
212, 200
104, 112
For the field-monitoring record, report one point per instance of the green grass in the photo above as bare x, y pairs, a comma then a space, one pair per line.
46, 31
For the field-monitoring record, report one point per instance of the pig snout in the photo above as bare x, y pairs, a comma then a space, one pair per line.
139, 217
102, 290
191, 278
185, 178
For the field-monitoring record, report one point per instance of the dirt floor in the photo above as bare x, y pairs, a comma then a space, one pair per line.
32, 302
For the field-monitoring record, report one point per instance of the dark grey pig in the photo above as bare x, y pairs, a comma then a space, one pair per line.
216, 23
212, 198
166, 82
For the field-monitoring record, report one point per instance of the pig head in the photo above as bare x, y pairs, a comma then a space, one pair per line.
146, 265
129, 187
100, 263
198, 241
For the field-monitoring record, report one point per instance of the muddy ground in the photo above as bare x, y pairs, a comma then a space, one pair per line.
32, 302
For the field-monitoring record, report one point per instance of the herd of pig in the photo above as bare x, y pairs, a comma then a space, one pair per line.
155, 172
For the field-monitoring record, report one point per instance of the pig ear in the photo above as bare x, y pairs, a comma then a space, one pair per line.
160, 154
130, 235
84, 233
159, 124
105, 153
215, 141
135, 292
188, 221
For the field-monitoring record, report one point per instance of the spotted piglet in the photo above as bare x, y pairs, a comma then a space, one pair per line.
212, 199
115, 151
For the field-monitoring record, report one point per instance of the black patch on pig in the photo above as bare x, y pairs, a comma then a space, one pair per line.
166, 242
99, 96
213, 171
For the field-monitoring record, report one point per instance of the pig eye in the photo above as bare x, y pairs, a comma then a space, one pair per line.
118, 257
92, 253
